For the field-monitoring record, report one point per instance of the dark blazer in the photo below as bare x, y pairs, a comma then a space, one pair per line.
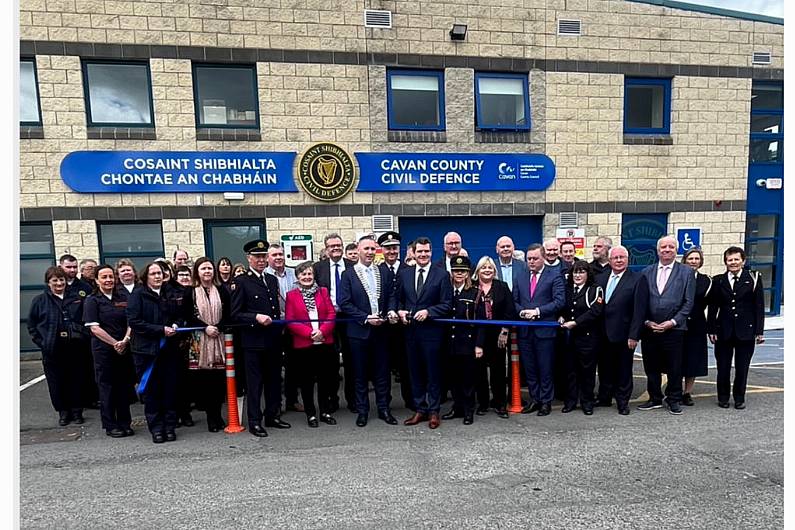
740, 314
252, 296
463, 337
676, 300
322, 270
48, 314
436, 297
549, 297
623, 314
147, 314
502, 308
79, 285
516, 266
111, 315
585, 309
354, 302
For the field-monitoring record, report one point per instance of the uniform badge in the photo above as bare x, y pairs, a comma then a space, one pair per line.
82, 293
232, 287
260, 245
598, 299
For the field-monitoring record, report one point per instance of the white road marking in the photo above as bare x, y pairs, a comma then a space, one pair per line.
32, 382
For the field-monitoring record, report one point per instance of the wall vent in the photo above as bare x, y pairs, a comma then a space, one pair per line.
377, 19
569, 220
569, 27
383, 223
761, 58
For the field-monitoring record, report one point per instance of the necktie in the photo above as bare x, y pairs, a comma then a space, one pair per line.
371, 279
457, 293
394, 269
611, 286
576, 291
420, 281
735, 277
336, 275
533, 282
662, 279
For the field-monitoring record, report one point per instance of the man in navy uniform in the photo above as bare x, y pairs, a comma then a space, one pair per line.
80, 289
255, 301
364, 296
424, 292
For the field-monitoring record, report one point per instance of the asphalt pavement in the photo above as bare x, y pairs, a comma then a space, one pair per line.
709, 468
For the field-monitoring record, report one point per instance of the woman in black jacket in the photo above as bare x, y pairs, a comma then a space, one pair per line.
582, 317
694, 360
492, 302
206, 304
153, 320
55, 324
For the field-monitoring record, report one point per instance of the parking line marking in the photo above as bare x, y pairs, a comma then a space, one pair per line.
32, 382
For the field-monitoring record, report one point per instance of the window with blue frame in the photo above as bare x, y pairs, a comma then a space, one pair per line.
639, 234
502, 101
226, 96
29, 110
647, 106
415, 100
118, 94
767, 123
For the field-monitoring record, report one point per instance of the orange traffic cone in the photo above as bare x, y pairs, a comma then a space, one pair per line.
516, 391
233, 425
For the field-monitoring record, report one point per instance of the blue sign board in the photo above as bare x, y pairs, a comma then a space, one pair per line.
454, 172
178, 171
687, 238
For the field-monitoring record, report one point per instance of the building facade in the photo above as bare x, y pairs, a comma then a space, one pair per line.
654, 117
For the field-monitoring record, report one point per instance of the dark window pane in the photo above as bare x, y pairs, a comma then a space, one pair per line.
226, 96
35, 239
765, 123
767, 97
119, 93
229, 240
415, 101
765, 151
28, 100
762, 226
645, 106
502, 102
763, 251
31, 271
131, 238
25, 343
26, 297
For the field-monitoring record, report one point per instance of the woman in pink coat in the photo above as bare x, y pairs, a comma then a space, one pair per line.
313, 342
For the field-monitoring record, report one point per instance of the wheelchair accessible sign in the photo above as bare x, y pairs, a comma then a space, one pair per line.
687, 238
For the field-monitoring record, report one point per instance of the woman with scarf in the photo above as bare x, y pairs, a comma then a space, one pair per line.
206, 304
313, 342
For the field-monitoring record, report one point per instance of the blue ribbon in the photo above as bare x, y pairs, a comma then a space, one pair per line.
148, 372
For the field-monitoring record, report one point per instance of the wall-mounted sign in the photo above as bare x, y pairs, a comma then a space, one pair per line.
178, 171
687, 238
576, 236
326, 172
454, 172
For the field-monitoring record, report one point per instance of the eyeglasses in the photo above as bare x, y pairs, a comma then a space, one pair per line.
183, 274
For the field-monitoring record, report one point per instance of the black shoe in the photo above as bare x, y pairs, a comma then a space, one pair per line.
502, 413
482, 410
64, 418
328, 419
158, 438
187, 421
673, 407
723, 404
128, 431
532, 407
171, 436
568, 408
650, 405
78, 418
361, 420
624, 411
312, 421
468, 419
452, 413
387, 417
544, 410
257, 430
603, 403
687, 400
588, 411
115, 433
739, 405
277, 423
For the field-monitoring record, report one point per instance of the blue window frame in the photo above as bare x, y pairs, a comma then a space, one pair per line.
226, 96
29, 107
118, 94
502, 102
767, 123
639, 234
36, 254
415, 100
647, 106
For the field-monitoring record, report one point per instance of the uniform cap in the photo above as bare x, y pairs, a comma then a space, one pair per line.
258, 246
460, 263
389, 238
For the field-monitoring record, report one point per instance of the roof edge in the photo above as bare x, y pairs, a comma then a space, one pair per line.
675, 4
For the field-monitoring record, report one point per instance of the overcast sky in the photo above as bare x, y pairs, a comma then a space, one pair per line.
773, 8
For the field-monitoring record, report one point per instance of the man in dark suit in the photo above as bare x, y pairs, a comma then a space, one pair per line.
507, 266
255, 301
568, 251
539, 295
395, 333
423, 293
735, 324
452, 248
670, 291
623, 321
363, 296
328, 273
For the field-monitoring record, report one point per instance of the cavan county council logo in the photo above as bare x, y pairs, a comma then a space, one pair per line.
325, 171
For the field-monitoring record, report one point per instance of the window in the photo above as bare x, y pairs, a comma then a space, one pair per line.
639, 234
502, 102
647, 106
36, 253
140, 242
29, 112
415, 100
226, 96
118, 94
767, 123
226, 238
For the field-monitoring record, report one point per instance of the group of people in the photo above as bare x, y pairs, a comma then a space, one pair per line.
425, 321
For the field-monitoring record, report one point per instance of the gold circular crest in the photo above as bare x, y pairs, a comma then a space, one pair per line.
326, 172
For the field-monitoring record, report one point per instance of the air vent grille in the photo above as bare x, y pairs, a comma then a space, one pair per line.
377, 19
761, 58
569, 27
569, 220
383, 223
